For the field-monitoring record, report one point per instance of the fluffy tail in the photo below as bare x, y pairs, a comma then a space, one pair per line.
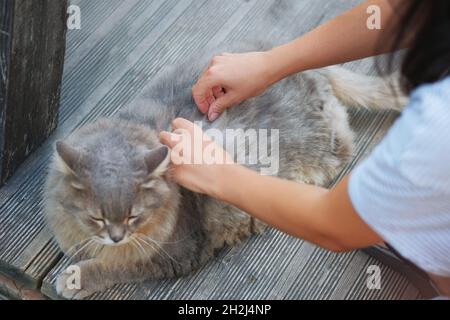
358, 90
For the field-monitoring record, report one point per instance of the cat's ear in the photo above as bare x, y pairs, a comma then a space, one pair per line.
68, 158
157, 161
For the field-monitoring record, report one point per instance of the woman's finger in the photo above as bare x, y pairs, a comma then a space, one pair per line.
219, 106
181, 123
169, 139
202, 91
218, 92
200, 100
209, 96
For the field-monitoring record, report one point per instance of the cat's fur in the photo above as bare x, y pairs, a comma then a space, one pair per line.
108, 168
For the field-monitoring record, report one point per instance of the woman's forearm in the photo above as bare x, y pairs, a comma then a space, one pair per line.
345, 38
321, 216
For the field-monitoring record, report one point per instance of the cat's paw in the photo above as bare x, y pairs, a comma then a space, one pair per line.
68, 286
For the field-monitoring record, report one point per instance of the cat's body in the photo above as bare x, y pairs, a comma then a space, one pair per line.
181, 229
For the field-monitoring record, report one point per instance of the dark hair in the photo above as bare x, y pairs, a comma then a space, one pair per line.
428, 59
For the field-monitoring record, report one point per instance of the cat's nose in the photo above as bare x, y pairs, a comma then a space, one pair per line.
116, 234
116, 238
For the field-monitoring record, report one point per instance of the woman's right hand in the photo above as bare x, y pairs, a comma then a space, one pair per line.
232, 78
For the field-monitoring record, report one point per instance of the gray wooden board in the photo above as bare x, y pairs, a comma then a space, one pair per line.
32, 56
120, 47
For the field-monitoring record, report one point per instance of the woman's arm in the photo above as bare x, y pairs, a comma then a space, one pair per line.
343, 39
233, 78
321, 216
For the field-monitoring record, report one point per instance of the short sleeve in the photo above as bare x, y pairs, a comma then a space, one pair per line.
402, 190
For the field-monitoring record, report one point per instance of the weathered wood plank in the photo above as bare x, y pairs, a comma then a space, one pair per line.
6, 13
32, 57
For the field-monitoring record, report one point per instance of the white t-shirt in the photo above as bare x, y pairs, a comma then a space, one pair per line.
403, 189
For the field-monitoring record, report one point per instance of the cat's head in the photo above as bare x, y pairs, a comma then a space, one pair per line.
114, 194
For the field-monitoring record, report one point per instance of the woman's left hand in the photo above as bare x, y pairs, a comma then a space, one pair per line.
197, 161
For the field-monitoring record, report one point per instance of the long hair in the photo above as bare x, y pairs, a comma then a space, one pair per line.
428, 59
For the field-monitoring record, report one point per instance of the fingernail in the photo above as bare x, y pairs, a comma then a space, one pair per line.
211, 100
213, 116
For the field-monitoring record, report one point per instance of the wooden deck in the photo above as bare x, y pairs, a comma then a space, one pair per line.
120, 47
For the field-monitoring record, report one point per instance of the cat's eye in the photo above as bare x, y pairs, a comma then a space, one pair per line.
132, 219
100, 221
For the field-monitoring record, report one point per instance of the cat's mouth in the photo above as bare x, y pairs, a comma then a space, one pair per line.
111, 243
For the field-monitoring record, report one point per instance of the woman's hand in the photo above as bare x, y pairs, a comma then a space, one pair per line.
231, 79
197, 161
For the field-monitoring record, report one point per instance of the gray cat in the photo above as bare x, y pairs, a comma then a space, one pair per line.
113, 207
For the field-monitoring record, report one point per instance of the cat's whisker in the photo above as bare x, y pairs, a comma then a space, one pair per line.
146, 243
133, 242
85, 246
163, 242
153, 248
98, 249
77, 245
144, 252
160, 247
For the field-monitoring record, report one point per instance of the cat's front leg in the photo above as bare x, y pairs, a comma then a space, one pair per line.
83, 279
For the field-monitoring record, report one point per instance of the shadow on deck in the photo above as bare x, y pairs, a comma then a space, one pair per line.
123, 44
